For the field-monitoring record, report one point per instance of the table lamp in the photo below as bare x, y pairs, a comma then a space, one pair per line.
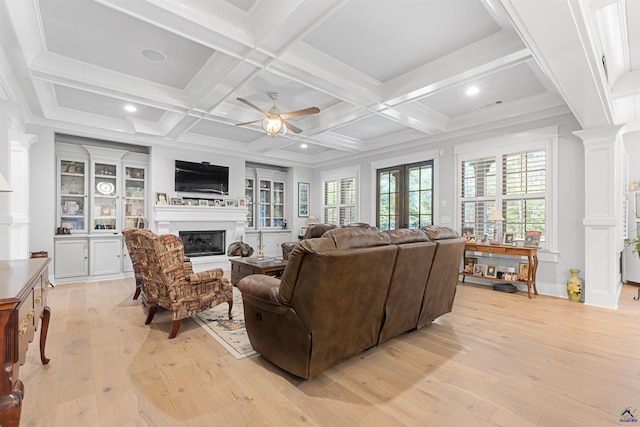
4, 185
495, 216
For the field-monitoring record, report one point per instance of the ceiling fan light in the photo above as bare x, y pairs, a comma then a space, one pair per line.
274, 126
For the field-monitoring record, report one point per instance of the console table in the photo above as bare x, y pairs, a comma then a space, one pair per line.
520, 251
23, 296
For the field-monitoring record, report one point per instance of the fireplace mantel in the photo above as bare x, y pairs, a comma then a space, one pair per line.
169, 213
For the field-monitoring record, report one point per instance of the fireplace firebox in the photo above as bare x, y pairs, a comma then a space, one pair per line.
203, 243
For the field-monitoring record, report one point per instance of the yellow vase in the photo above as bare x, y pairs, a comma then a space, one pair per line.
574, 286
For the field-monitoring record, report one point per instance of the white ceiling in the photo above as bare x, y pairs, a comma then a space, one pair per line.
383, 73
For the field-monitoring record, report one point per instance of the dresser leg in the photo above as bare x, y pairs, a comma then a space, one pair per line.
11, 406
46, 315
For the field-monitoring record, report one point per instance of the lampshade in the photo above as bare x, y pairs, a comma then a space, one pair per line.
274, 126
496, 216
4, 185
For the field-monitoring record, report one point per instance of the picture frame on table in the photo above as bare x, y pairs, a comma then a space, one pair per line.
508, 239
471, 238
203, 202
478, 270
242, 202
491, 270
176, 201
230, 202
484, 239
523, 272
532, 239
161, 199
217, 202
469, 264
467, 231
303, 199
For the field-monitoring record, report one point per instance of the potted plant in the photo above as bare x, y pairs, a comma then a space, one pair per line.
635, 243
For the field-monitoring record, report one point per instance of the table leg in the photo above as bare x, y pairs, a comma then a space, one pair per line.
535, 270
46, 315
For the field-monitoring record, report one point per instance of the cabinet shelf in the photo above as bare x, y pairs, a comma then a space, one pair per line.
462, 273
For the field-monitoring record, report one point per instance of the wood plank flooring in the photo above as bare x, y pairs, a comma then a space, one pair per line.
496, 360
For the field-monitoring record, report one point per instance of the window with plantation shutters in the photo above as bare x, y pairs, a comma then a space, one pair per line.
340, 201
512, 183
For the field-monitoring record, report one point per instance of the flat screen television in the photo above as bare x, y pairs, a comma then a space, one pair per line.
201, 178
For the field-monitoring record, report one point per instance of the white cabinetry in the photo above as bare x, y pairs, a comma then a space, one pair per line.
106, 254
271, 241
100, 191
71, 257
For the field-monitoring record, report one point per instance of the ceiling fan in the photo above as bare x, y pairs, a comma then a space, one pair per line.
275, 123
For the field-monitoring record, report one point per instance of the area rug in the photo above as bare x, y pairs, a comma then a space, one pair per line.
232, 334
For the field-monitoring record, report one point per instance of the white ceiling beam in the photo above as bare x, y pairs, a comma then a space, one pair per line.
499, 51
565, 55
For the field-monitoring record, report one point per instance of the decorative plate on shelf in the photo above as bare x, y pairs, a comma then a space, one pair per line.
105, 187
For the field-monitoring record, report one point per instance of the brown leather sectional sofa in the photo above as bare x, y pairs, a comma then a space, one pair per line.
350, 290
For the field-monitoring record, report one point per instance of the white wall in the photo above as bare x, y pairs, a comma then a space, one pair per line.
554, 268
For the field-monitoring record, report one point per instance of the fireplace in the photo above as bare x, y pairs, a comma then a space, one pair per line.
203, 243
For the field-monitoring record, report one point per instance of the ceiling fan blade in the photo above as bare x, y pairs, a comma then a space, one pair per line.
255, 107
291, 127
310, 110
248, 123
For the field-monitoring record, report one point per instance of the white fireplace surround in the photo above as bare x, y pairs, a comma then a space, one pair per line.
171, 219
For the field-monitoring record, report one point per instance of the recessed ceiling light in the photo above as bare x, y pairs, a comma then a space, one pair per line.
153, 55
130, 108
473, 90
303, 145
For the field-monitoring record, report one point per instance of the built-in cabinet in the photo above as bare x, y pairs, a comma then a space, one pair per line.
100, 191
266, 206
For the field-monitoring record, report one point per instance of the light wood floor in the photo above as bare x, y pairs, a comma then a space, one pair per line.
496, 360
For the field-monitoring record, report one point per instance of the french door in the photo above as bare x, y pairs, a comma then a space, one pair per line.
405, 196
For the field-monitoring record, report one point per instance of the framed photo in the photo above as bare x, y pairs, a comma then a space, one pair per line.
478, 270
230, 202
469, 263
508, 239
176, 200
203, 202
242, 202
190, 202
303, 199
471, 238
532, 238
523, 273
484, 239
491, 270
217, 202
161, 199
467, 231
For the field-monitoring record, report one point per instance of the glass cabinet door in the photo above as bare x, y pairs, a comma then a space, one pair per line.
248, 193
105, 197
278, 204
265, 203
134, 197
72, 191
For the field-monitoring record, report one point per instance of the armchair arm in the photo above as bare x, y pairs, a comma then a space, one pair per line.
287, 247
205, 276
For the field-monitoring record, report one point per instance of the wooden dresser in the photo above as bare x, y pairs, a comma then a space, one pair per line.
23, 297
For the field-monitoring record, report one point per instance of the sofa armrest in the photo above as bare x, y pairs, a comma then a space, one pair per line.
263, 292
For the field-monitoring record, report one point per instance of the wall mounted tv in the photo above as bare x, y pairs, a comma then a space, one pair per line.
201, 178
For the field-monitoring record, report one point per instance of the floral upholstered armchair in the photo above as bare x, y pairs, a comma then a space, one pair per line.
170, 283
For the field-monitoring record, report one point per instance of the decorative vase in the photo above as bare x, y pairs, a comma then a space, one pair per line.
574, 285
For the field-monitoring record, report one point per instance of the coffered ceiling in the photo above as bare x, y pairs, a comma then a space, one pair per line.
383, 73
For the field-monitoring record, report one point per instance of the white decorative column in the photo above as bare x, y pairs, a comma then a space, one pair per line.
603, 219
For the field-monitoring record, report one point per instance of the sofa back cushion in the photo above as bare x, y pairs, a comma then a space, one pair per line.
357, 237
339, 297
408, 281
